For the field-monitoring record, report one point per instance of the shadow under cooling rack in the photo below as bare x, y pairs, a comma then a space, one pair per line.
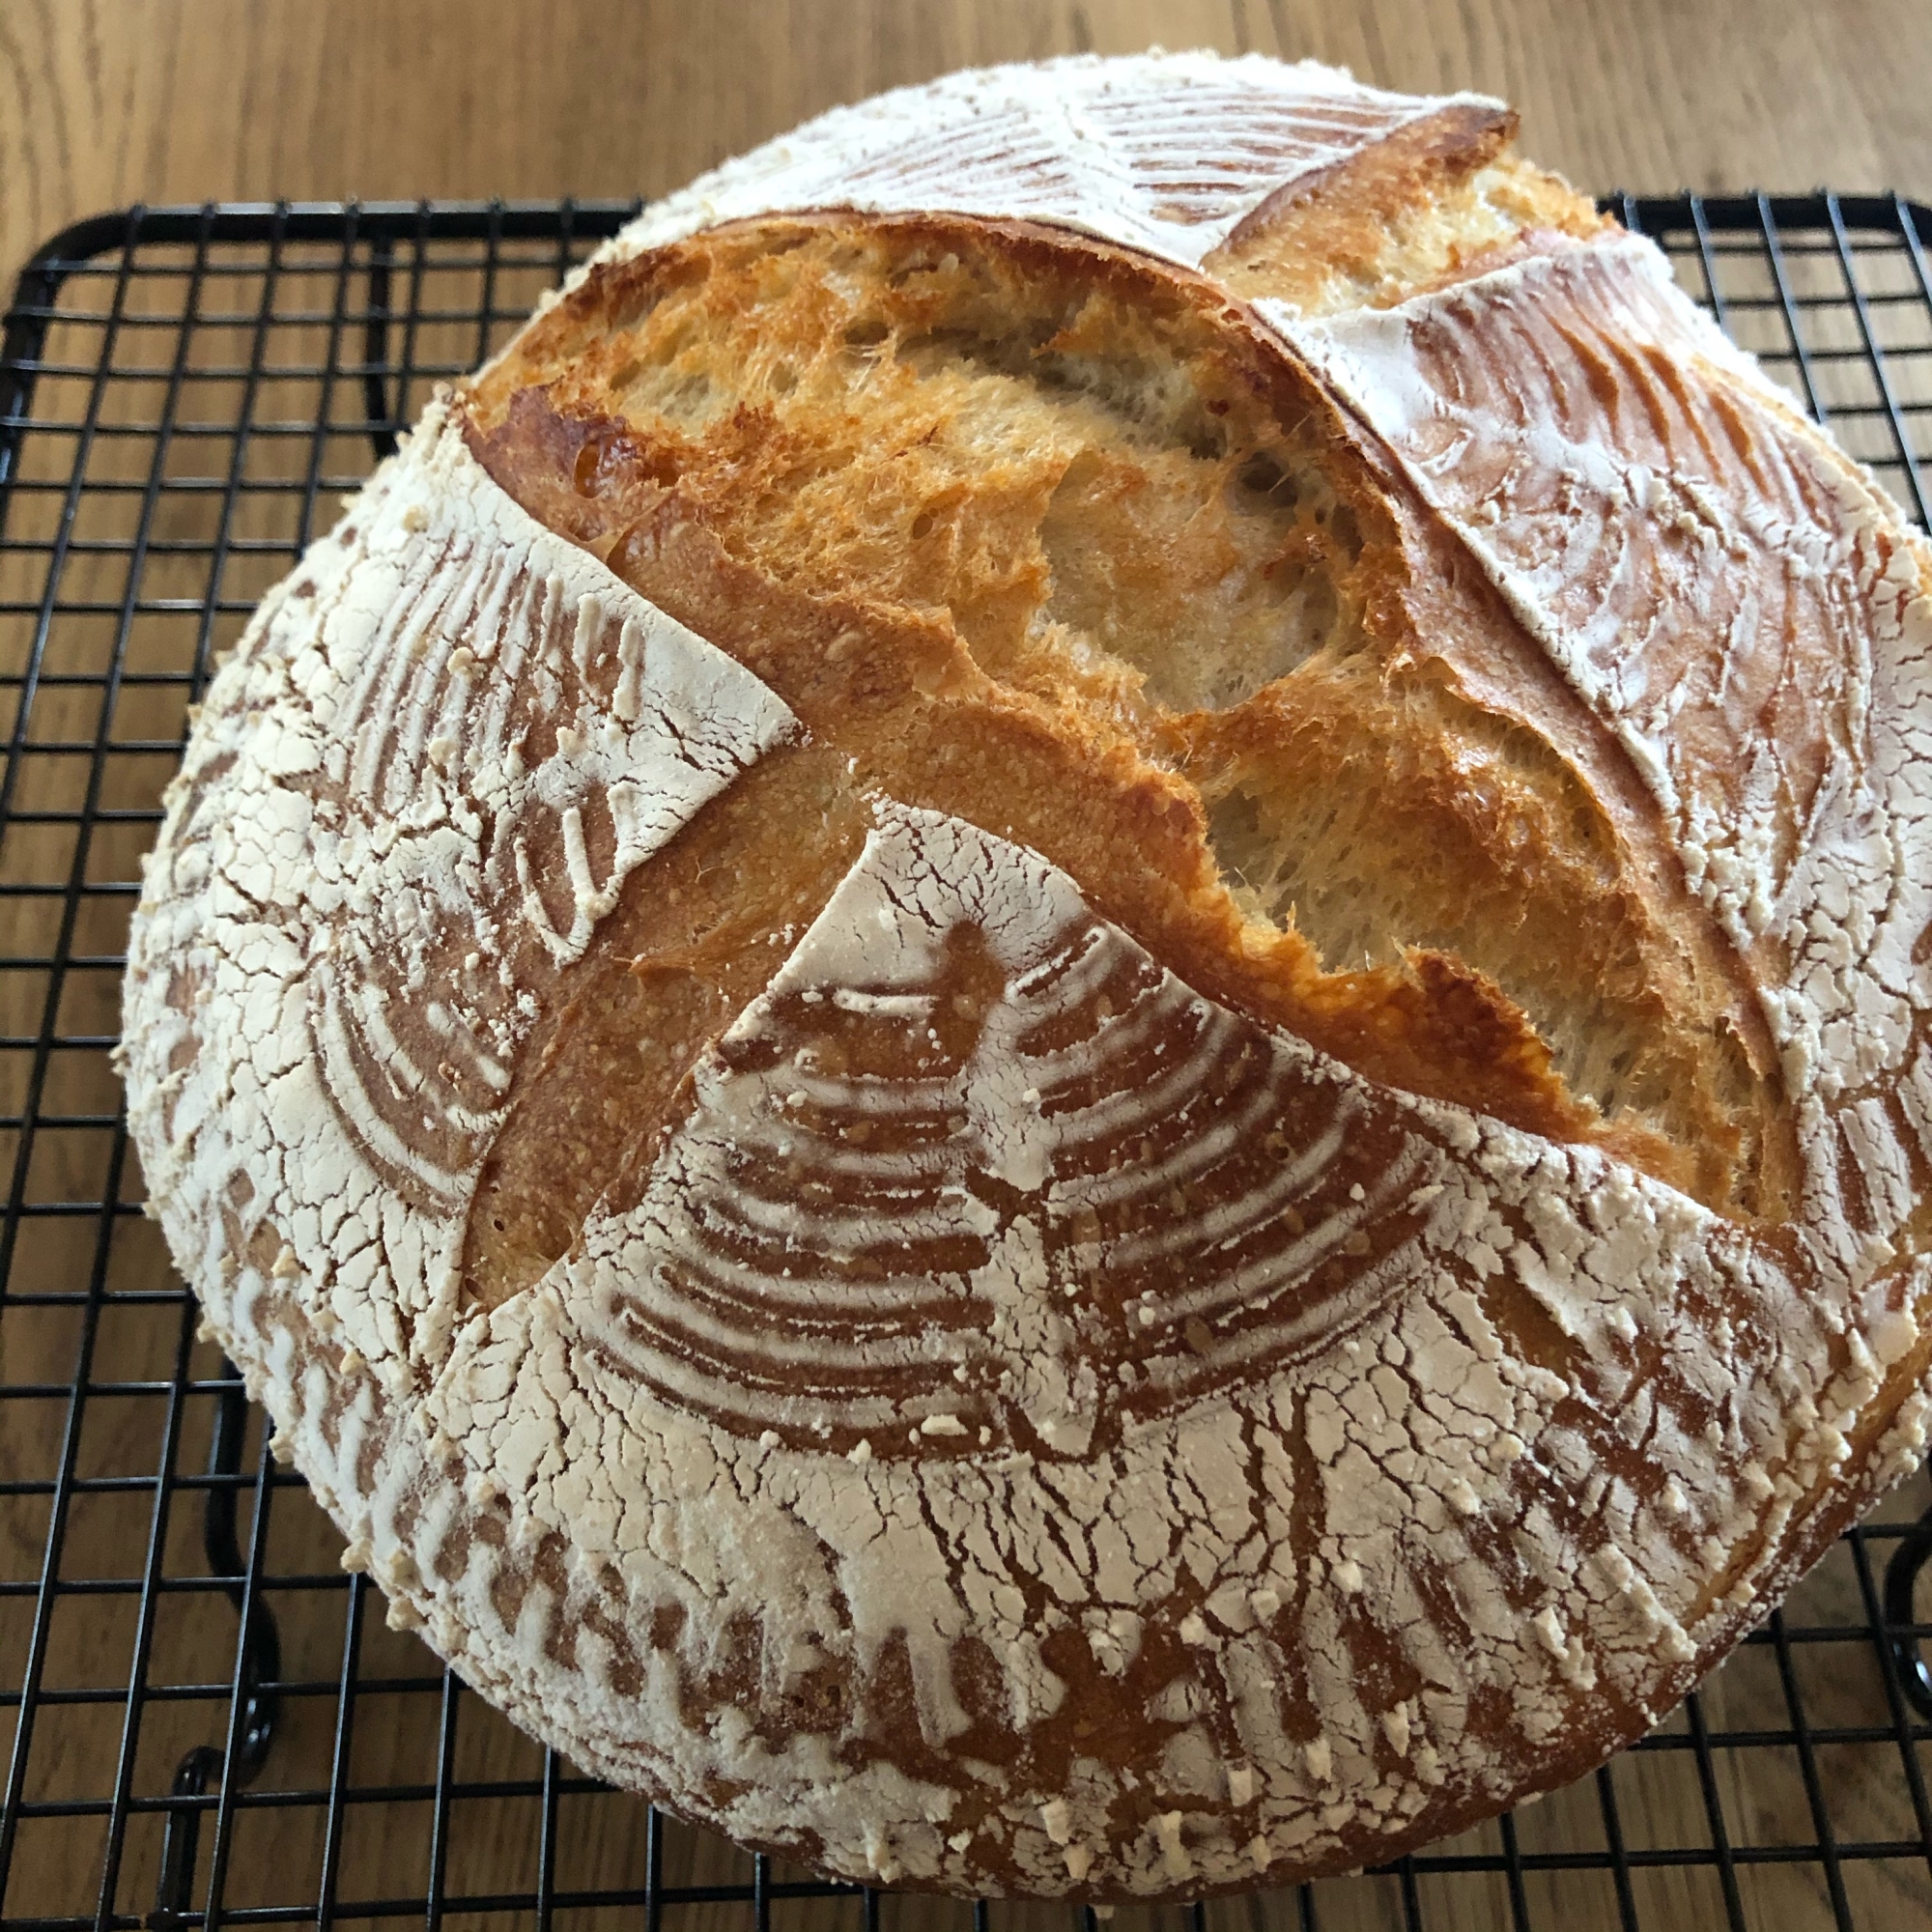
184, 392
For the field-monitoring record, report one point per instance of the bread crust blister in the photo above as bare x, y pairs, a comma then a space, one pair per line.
1057, 1024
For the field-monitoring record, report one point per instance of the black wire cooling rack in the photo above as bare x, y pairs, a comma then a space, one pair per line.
182, 392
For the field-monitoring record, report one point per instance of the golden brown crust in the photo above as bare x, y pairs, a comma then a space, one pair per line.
1132, 830
1437, 202
964, 605
1416, 163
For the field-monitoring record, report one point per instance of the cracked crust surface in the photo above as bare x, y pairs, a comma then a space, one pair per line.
1057, 1024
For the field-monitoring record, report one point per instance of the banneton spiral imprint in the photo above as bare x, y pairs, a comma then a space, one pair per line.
1058, 1022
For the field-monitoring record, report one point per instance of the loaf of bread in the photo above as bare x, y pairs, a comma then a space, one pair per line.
1058, 1023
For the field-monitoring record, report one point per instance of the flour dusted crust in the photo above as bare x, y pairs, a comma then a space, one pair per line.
1112, 146
789, 1122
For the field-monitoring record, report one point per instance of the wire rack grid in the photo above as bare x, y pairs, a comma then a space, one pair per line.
182, 393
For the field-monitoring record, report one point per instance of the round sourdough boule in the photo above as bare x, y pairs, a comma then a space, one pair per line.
1058, 1023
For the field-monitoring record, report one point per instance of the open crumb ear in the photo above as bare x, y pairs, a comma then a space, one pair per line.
1081, 471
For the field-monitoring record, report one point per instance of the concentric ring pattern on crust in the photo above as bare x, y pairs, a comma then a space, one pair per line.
1057, 1024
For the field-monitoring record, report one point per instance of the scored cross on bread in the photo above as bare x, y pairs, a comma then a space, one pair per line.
1056, 1024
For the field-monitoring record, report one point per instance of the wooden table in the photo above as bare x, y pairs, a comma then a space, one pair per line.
108, 102
103, 102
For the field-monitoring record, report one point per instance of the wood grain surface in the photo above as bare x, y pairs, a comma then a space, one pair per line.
103, 102
108, 102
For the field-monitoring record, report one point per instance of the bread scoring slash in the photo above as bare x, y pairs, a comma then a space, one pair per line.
1058, 1023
